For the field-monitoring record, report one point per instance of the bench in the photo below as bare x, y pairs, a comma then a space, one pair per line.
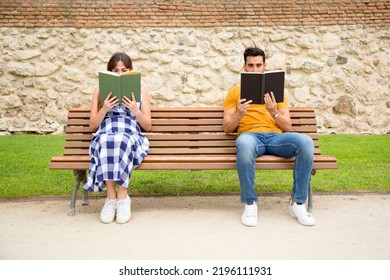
183, 139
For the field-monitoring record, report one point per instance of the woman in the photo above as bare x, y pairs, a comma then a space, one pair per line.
118, 145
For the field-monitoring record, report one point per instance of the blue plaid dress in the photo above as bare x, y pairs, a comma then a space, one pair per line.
116, 148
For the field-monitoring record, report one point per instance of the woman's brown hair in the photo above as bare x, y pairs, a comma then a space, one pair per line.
119, 56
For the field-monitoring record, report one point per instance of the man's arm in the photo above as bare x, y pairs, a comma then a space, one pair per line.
233, 116
282, 116
283, 120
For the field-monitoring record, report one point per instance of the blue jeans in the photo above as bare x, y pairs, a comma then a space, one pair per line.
251, 145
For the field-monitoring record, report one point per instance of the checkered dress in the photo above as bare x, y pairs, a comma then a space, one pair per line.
116, 148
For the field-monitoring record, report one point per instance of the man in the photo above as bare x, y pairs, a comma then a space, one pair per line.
263, 129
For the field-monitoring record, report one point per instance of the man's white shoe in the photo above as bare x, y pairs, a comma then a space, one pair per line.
249, 217
107, 215
123, 210
300, 212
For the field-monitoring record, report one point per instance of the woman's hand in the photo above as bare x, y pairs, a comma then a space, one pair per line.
109, 102
131, 104
98, 113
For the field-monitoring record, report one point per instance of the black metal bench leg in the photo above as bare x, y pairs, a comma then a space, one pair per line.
310, 199
80, 177
85, 198
310, 195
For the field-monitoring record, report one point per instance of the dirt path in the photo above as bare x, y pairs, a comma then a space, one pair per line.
197, 227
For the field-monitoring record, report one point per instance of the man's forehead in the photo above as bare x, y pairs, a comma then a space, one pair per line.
254, 59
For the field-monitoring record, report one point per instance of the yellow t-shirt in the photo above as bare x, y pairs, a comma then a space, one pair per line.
257, 118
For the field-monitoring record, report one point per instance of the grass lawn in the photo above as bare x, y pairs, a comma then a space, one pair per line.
364, 165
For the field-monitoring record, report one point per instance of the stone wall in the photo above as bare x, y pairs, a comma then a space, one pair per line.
337, 57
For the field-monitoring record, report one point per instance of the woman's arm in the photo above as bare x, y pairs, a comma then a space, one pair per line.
143, 114
97, 115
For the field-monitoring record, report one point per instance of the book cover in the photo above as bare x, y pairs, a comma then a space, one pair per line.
120, 85
255, 85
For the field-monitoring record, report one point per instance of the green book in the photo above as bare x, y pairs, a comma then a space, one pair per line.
120, 85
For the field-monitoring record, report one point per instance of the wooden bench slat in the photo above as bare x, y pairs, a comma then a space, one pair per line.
215, 128
73, 145
178, 128
163, 144
163, 137
186, 136
157, 151
88, 131
307, 114
189, 115
174, 137
192, 166
79, 129
196, 110
79, 114
196, 162
78, 137
229, 166
195, 159
208, 109
191, 144
164, 151
304, 129
175, 128
222, 151
168, 122
180, 114
78, 122
192, 109
70, 152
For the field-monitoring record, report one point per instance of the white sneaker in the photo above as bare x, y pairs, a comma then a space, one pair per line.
300, 212
123, 211
107, 215
249, 217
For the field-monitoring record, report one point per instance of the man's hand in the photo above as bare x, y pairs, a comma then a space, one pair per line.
233, 116
282, 116
242, 106
270, 103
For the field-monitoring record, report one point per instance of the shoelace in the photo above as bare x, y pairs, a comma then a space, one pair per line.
111, 203
109, 207
250, 211
303, 210
120, 206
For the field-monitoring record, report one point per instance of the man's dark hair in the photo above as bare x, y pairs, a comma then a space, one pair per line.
253, 52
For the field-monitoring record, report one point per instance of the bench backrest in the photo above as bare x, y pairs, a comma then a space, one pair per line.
183, 131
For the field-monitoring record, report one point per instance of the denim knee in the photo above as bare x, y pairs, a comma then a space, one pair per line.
306, 144
246, 146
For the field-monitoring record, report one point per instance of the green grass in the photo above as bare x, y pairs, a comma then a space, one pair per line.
364, 165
